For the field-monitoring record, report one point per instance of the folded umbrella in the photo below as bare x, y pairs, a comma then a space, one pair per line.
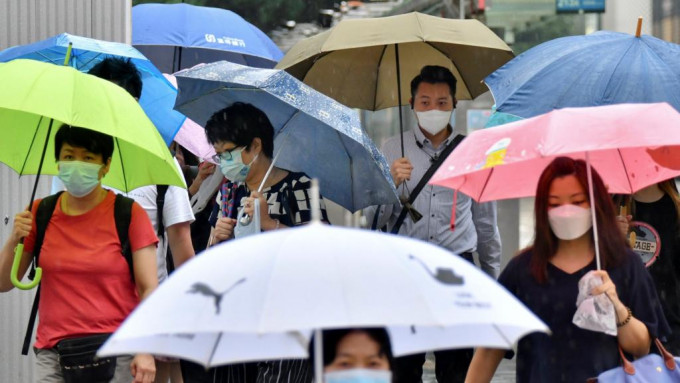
313, 133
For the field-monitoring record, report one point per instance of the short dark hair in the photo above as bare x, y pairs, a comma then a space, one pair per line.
433, 74
331, 339
93, 141
121, 72
240, 123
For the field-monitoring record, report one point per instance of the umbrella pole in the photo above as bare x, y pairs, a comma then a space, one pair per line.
318, 356
592, 210
401, 122
19, 250
68, 54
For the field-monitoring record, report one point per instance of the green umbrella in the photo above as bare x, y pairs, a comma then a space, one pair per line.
38, 97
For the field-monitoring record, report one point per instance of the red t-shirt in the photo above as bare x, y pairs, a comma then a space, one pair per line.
86, 286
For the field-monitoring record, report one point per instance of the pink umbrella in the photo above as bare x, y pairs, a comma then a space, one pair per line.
506, 161
191, 135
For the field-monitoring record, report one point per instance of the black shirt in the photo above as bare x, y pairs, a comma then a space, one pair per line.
572, 354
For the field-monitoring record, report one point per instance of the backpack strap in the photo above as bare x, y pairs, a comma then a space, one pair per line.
42, 219
161, 190
122, 214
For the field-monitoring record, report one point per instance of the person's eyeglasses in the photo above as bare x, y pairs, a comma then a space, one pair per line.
226, 155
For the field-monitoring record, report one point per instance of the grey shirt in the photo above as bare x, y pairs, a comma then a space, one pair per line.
475, 224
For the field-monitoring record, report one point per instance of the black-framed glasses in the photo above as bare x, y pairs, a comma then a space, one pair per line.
226, 155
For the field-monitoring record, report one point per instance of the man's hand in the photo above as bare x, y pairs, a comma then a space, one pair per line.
224, 229
401, 170
143, 368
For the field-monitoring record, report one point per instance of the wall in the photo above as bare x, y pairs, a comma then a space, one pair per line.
24, 22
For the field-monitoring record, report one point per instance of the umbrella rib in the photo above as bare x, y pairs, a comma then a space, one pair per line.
122, 165
609, 80
89, 61
486, 182
31, 146
351, 166
625, 169
377, 70
217, 342
502, 335
465, 83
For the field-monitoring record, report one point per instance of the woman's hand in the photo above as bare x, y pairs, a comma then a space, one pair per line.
224, 229
609, 289
266, 222
143, 368
205, 169
624, 223
22, 225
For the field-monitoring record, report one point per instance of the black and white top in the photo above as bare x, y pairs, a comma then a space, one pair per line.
288, 200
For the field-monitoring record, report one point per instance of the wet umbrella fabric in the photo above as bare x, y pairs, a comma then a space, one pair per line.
313, 133
266, 287
180, 36
601, 68
158, 95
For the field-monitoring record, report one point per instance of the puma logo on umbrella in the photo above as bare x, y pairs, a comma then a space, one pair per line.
444, 276
203, 289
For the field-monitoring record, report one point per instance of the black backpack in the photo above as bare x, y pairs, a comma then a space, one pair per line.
122, 213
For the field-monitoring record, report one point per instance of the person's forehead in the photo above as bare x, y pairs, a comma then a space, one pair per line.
566, 186
439, 90
71, 148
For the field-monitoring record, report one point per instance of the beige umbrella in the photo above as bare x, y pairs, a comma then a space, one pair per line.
362, 62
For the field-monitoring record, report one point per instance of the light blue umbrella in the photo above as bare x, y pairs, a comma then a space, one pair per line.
601, 68
179, 36
158, 95
314, 133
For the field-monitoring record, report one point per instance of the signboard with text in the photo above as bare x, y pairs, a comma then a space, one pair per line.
570, 6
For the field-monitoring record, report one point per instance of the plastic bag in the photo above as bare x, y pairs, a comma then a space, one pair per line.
595, 313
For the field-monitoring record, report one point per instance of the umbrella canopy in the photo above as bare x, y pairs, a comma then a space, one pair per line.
355, 62
35, 92
191, 135
158, 95
314, 134
179, 36
601, 68
266, 287
506, 161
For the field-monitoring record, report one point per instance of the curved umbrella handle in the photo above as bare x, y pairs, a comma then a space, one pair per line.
18, 252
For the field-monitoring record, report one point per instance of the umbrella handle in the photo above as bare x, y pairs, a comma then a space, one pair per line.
18, 252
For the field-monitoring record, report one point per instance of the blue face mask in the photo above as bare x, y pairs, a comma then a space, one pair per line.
234, 169
358, 375
79, 178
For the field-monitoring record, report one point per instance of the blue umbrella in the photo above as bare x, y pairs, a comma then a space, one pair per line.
179, 36
597, 69
158, 95
314, 133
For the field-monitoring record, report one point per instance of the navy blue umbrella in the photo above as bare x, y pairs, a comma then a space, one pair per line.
158, 95
601, 68
179, 36
314, 133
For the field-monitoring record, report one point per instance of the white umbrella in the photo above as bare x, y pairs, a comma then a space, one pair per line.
257, 298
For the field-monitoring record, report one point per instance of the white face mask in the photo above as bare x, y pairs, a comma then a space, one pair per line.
434, 121
570, 221
358, 375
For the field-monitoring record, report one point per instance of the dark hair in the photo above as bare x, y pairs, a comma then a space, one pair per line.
433, 74
331, 339
94, 142
240, 123
612, 243
121, 72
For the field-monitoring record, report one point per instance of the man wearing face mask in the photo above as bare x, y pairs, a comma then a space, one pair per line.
433, 102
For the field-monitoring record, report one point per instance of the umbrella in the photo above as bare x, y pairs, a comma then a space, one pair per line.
368, 63
601, 68
191, 135
37, 97
506, 161
179, 36
268, 289
314, 134
82, 53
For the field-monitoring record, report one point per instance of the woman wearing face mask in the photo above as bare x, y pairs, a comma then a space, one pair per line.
545, 278
361, 355
86, 287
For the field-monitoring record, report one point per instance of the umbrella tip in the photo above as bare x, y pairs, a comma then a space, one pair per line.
638, 31
315, 201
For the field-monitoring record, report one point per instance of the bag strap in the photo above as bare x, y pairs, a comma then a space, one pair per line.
426, 177
161, 191
42, 219
122, 214
668, 359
